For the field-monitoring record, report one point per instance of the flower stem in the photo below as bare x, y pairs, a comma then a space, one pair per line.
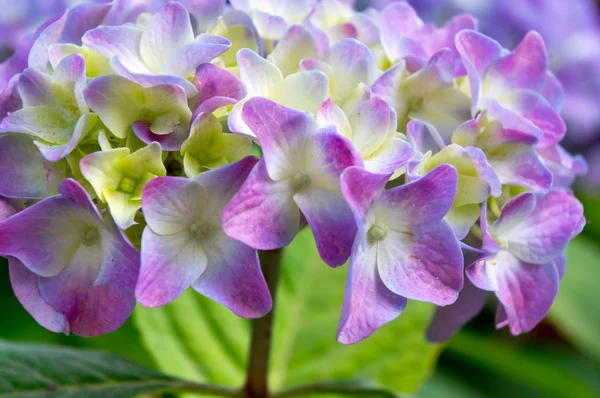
262, 331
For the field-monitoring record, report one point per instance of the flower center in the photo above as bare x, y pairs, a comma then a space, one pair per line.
199, 229
414, 104
300, 182
90, 237
127, 185
378, 232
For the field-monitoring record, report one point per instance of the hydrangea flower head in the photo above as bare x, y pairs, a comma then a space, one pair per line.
126, 130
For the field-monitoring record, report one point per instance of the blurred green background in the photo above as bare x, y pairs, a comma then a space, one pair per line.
199, 340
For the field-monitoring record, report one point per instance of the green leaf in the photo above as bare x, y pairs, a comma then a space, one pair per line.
34, 371
532, 368
196, 338
575, 311
201, 340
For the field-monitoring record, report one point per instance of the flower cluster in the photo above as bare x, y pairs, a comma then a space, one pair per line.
428, 156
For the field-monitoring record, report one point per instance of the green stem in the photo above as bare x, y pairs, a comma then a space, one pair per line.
331, 388
262, 331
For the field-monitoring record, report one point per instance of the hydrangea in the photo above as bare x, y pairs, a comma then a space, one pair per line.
428, 158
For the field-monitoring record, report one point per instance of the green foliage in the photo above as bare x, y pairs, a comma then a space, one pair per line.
34, 371
196, 338
537, 369
575, 312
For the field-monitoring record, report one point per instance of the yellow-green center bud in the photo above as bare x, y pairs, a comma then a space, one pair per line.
300, 182
127, 185
90, 237
378, 232
199, 229
414, 104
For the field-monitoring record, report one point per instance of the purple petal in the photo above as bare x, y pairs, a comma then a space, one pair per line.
520, 165
372, 122
16, 63
426, 200
485, 170
68, 29
270, 27
234, 279
368, 303
425, 265
525, 67
169, 265
563, 166
501, 318
27, 291
38, 55
420, 138
90, 309
526, 291
224, 182
330, 219
32, 235
10, 100
536, 109
120, 41
353, 63
329, 155
205, 12
450, 319
262, 214
185, 60
398, 20
553, 91
24, 173
6, 209
392, 156
35, 88
477, 52
166, 32
283, 134
544, 235
90, 280
168, 142
212, 81
561, 265
512, 126
514, 213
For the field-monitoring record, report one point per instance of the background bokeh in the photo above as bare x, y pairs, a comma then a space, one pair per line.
560, 358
